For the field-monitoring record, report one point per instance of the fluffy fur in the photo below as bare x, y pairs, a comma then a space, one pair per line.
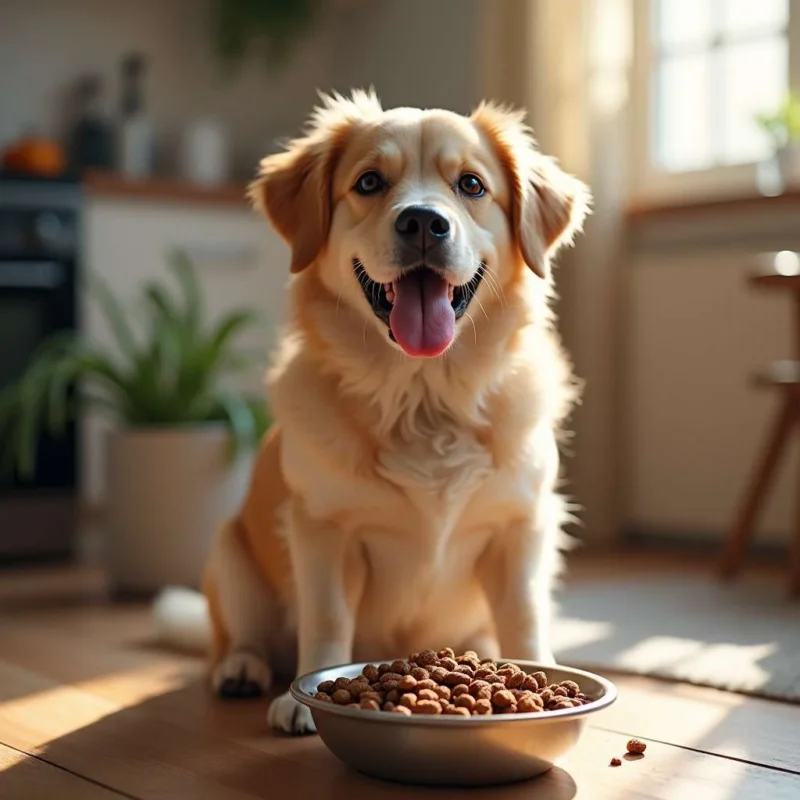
400, 503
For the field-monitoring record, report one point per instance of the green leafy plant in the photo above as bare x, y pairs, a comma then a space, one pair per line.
278, 25
783, 124
170, 376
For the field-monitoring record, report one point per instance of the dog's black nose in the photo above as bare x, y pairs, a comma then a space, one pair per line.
422, 227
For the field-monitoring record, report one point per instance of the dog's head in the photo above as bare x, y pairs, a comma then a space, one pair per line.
410, 214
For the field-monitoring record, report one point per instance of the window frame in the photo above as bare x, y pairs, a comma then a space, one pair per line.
647, 182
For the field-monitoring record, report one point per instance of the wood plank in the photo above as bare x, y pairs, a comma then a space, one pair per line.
183, 744
23, 777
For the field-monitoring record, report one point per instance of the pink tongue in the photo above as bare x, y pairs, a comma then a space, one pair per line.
422, 319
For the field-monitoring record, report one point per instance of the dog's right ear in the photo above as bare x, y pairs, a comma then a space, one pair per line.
294, 188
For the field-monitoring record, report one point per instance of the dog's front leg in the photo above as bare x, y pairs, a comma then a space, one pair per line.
329, 578
517, 574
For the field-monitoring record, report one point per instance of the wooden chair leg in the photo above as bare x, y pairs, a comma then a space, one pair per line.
742, 529
794, 554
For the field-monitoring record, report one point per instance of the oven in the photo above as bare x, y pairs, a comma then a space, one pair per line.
40, 226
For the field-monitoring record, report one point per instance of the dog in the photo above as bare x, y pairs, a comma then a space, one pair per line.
407, 495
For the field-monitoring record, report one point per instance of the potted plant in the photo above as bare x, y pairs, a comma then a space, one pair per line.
783, 127
278, 25
178, 453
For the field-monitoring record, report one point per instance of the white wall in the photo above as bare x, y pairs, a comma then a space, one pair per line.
415, 52
693, 423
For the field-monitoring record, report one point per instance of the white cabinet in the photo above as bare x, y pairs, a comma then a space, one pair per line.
239, 260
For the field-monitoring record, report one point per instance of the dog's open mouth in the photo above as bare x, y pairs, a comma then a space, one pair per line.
421, 308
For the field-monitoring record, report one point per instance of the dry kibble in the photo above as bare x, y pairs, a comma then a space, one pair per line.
456, 711
444, 693
342, 697
635, 747
427, 658
437, 674
527, 705
571, 687
540, 678
465, 701
503, 699
408, 700
530, 684
456, 679
433, 683
483, 707
371, 673
480, 688
615, 762
515, 680
357, 688
431, 707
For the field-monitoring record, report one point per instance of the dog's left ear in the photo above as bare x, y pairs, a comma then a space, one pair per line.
294, 188
548, 205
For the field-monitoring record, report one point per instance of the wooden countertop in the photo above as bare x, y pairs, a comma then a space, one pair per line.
164, 190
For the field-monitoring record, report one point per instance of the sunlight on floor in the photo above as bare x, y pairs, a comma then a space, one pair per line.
66, 709
690, 658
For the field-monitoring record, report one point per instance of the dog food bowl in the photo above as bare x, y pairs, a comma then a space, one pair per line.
453, 751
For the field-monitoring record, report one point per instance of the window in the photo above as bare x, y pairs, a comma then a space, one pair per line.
705, 69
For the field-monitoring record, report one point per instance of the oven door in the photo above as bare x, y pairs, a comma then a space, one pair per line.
37, 299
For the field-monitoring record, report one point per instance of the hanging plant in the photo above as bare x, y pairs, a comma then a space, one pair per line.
274, 25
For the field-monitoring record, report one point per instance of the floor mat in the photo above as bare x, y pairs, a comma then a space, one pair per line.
743, 637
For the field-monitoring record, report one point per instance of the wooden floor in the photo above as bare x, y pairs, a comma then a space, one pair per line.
91, 710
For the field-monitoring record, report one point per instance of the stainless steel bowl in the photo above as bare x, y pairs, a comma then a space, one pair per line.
454, 751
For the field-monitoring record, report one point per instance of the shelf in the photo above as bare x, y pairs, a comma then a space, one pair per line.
645, 211
164, 190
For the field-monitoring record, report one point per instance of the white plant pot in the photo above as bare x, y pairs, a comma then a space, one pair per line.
168, 492
788, 163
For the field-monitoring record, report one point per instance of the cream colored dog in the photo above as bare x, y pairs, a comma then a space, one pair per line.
406, 497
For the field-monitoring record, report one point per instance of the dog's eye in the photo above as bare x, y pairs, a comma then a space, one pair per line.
370, 182
471, 184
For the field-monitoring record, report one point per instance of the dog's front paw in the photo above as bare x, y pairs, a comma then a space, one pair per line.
287, 715
241, 674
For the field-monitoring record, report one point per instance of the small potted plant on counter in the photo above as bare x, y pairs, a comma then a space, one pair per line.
180, 447
783, 127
